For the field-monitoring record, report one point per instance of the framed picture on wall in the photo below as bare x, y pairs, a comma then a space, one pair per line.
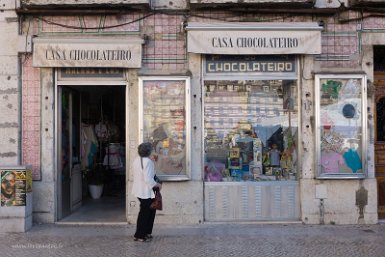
341, 129
164, 120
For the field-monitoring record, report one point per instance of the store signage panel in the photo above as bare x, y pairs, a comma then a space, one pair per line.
91, 73
254, 42
15, 184
111, 52
249, 64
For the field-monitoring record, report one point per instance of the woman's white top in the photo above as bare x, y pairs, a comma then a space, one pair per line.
143, 178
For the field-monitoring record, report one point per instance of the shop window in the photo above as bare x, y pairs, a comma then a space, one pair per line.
251, 130
341, 128
165, 122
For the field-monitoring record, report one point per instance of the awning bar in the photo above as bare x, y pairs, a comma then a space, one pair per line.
247, 26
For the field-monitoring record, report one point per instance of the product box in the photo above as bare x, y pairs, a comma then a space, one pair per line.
236, 173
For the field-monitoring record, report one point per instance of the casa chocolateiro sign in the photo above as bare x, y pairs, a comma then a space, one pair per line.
86, 52
245, 38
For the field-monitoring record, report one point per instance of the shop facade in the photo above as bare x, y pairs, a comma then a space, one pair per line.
251, 121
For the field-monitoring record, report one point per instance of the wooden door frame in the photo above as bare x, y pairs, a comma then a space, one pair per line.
379, 91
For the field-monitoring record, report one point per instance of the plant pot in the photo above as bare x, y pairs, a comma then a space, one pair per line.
95, 191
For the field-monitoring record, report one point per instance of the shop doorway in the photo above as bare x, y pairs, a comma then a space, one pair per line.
379, 83
91, 136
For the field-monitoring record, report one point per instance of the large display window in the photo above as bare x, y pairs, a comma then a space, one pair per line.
165, 122
251, 130
341, 128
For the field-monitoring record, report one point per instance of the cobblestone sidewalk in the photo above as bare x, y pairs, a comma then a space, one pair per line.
220, 240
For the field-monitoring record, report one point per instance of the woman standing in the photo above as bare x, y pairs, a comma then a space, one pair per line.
143, 188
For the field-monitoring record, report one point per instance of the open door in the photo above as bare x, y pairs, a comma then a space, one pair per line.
379, 84
69, 171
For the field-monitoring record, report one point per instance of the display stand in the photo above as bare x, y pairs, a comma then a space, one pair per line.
16, 199
256, 168
235, 163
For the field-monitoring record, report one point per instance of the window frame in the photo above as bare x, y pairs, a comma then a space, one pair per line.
363, 110
187, 105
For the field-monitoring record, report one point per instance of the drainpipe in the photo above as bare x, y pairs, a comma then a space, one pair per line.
321, 212
321, 194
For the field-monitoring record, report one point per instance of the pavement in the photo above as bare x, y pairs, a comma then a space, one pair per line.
213, 239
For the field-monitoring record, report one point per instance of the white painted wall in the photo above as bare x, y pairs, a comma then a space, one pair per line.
15, 218
9, 85
45, 191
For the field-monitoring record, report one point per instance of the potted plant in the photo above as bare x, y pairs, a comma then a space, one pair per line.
95, 179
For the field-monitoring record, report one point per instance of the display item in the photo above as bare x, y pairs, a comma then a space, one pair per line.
113, 158
353, 160
286, 159
331, 161
350, 89
332, 88
330, 140
235, 164
89, 145
256, 167
348, 111
214, 171
101, 131
275, 155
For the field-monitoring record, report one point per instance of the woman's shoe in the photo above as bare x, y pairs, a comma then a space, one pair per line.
140, 239
149, 236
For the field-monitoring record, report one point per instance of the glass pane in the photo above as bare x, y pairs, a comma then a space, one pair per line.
65, 135
340, 126
380, 114
251, 130
165, 124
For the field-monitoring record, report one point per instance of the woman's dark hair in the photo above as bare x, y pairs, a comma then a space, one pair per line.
144, 149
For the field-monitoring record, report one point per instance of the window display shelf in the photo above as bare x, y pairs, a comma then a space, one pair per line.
266, 117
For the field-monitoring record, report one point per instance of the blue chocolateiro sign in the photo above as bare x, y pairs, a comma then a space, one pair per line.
215, 64
250, 65
88, 52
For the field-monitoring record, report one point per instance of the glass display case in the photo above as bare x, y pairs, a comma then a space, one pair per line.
251, 130
165, 122
341, 126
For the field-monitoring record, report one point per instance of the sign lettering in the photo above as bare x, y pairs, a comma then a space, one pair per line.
243, 64
106, 55
254, 42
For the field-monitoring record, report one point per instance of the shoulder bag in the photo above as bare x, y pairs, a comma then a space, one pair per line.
157, 201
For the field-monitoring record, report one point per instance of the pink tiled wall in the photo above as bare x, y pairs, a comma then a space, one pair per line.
165, 47
340, 40
31, 117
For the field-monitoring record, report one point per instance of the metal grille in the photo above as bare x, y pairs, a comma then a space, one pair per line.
250, 201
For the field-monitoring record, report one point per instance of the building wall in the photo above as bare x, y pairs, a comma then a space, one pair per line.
11, 218
164, 53
343, 51
9, 85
